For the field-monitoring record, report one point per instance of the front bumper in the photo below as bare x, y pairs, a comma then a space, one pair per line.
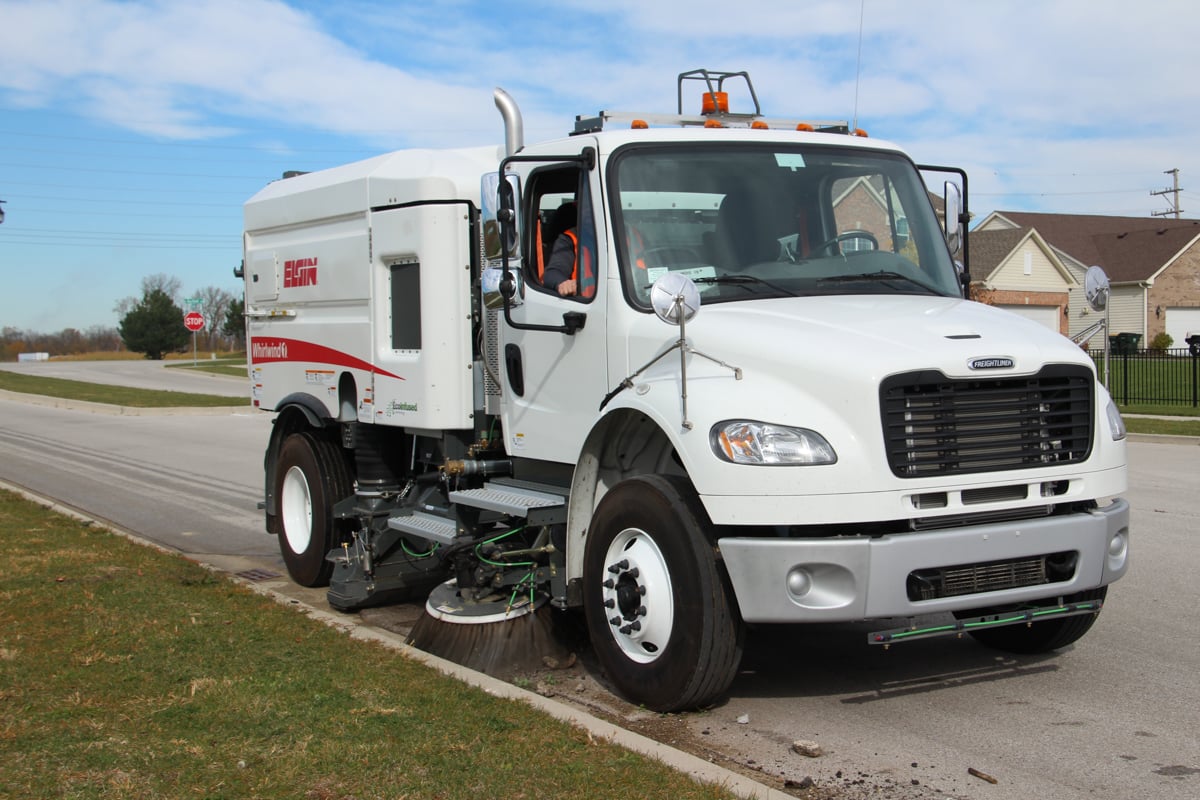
854, 578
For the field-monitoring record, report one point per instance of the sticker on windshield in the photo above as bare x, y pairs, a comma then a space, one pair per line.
790, 160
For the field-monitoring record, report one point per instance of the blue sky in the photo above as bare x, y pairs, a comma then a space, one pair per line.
131, 132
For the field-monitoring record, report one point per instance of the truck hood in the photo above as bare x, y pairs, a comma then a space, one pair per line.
877, 335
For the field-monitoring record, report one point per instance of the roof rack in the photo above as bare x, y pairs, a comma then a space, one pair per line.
714, 111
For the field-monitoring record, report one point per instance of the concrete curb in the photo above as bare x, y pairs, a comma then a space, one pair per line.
122, 411
692, 766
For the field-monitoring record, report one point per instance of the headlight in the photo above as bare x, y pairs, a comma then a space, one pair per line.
746, 442
1116, 425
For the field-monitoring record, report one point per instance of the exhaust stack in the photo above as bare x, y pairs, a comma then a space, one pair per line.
514, 130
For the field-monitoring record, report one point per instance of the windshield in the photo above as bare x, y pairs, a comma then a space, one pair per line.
747, 221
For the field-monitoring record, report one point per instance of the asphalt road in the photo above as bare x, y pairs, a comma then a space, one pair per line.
1115, 716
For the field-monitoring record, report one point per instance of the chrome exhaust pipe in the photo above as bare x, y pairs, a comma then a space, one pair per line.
514, 130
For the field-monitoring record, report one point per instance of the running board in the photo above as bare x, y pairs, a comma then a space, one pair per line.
426, 526
959, 627
538, 507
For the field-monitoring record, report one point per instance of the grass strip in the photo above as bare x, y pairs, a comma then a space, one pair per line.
231, 369
1163, 427
129, 673
113, 395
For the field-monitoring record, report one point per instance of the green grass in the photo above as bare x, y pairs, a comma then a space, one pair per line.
234, 367
1139, 379
113, 395
1163, 427
129, 673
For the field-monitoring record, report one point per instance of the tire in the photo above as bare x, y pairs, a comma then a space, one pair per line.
310, 477
1040, 637
659, 609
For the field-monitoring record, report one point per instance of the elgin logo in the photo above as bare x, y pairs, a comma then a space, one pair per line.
300, 272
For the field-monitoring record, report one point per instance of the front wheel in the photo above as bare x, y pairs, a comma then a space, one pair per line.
310, 477
659, 609
1039, 637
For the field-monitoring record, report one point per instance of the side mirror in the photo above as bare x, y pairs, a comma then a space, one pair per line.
952, 223
1096, 288
675, 298
499, 228
493, 288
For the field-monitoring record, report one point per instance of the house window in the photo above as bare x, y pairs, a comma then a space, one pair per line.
856, 244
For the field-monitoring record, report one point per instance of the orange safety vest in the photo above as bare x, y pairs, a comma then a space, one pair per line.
587, 285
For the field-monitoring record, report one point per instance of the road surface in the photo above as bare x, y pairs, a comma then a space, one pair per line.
1115, 716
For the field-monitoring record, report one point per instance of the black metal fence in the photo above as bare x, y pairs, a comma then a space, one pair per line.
1152, 377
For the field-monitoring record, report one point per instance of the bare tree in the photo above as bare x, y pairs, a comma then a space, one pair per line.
161, 281
214, 304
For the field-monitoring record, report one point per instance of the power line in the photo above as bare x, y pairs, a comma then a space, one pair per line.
136, 172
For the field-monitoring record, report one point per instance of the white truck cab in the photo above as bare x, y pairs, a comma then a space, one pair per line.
766, 399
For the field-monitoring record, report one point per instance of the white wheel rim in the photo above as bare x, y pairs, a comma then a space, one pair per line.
636, 592
296, 507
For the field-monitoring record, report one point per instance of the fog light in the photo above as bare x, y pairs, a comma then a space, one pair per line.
1118, 546
799, 582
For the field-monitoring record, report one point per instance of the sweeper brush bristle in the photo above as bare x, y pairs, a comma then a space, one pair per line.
503, 649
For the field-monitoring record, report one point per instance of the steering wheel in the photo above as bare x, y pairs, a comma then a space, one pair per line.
845, 237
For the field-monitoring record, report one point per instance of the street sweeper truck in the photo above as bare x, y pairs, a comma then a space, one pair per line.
684, 373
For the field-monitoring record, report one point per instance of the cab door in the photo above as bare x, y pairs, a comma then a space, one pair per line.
553, 350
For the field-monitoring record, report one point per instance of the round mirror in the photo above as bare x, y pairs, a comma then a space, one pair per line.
675, 298
1095, 288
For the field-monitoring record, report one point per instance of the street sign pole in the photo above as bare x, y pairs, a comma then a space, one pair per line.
194, 322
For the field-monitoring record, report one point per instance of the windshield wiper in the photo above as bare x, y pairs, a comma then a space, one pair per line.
743, 280
881, 277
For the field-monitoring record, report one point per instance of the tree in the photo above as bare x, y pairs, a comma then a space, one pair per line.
168, 284
235, 322
214, 303
161, 281
154, 326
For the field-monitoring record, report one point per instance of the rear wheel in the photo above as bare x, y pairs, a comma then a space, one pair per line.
659, 609
1040, 637
310, 477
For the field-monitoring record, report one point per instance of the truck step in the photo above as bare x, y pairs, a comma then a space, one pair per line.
542, 508
426, 526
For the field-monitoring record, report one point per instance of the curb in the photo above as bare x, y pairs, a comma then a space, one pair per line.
692, 766
46, 401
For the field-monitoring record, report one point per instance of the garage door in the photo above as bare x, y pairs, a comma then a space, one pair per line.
1181, 322
1043, 315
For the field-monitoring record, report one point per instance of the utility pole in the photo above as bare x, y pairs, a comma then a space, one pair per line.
1176, 210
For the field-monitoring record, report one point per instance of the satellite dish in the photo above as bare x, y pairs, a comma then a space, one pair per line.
675, 298
1095, 288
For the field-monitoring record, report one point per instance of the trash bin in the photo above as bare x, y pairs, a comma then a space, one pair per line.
1193, 343
1124, 344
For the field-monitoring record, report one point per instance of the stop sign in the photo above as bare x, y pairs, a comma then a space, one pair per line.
193, 321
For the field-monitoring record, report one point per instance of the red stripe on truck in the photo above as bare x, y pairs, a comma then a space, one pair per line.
265, 350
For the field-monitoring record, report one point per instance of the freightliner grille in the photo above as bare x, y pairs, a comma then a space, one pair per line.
934, 425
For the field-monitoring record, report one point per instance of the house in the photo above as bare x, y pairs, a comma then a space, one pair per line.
1016, 269
1152, 263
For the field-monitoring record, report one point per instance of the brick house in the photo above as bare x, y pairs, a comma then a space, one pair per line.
1016, 269
1153, 264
